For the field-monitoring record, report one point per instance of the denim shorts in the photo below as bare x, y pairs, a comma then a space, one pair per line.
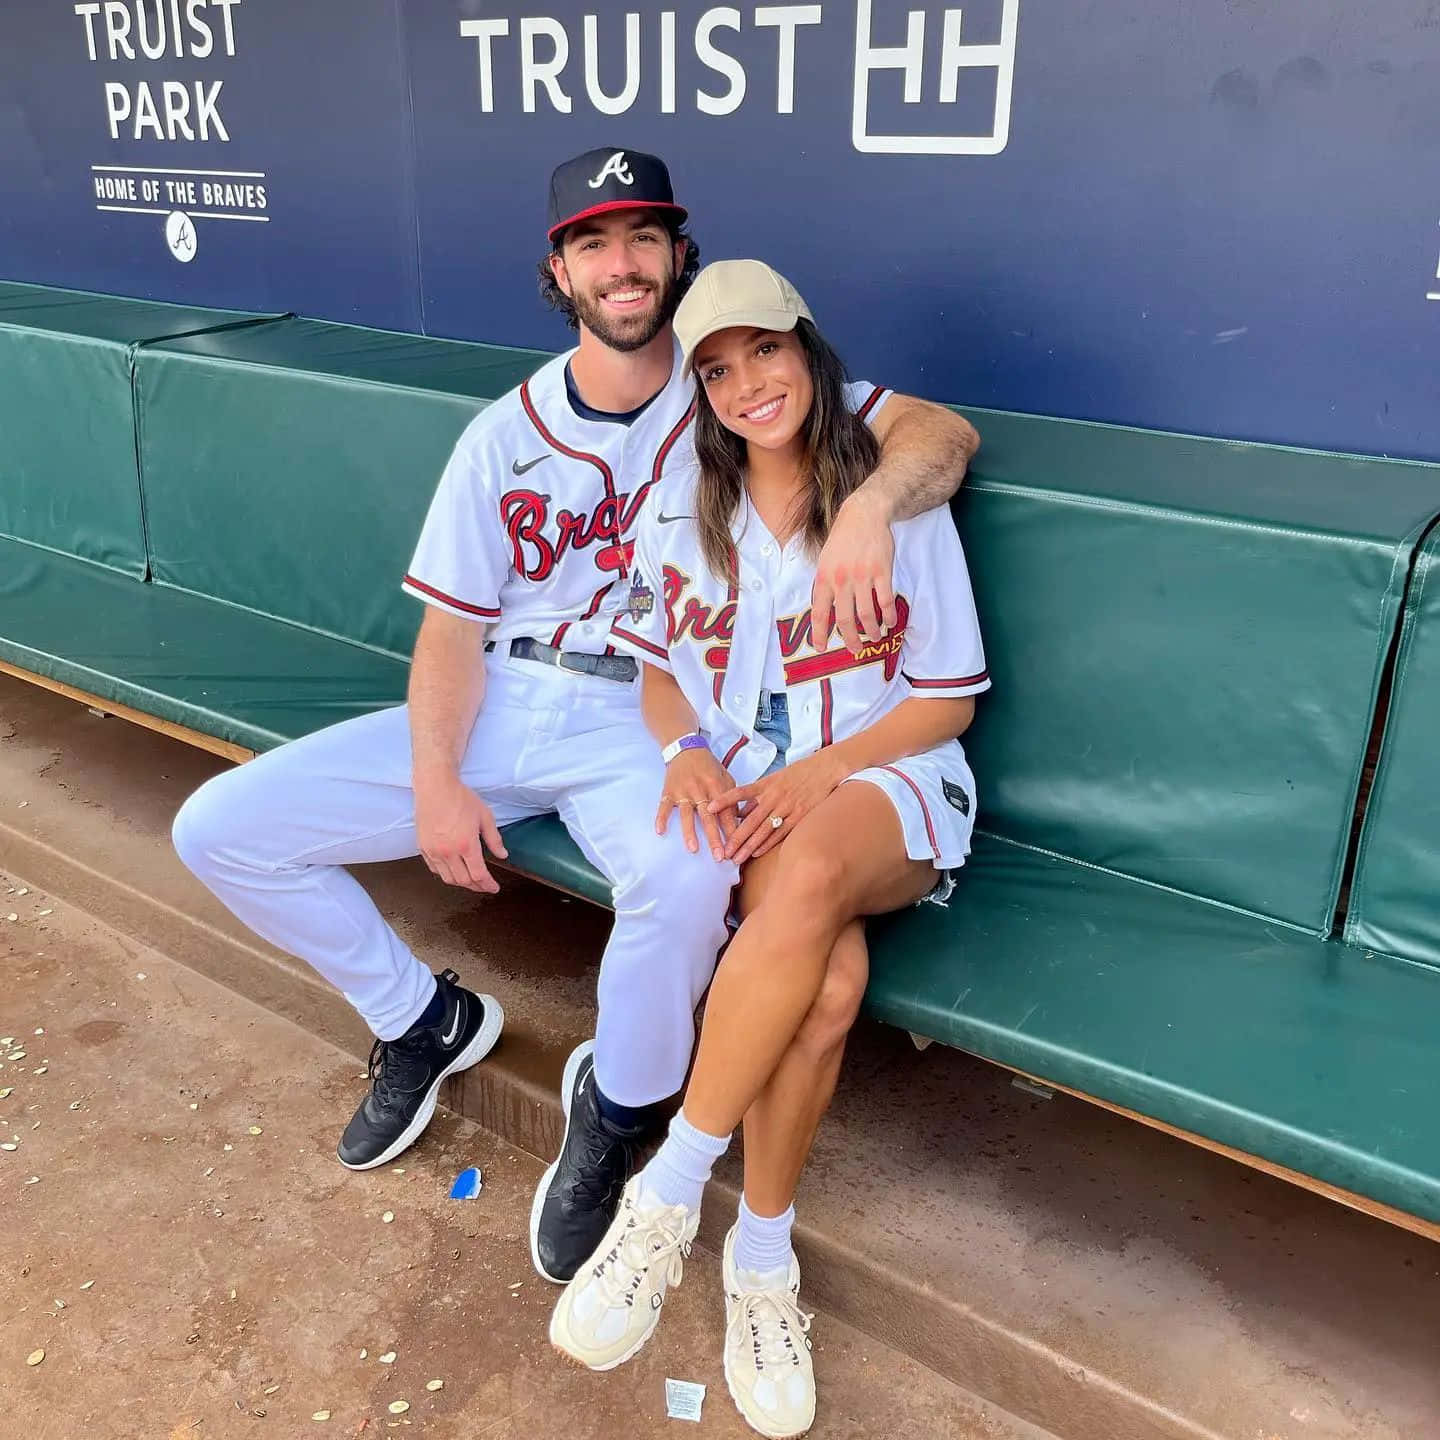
772, 720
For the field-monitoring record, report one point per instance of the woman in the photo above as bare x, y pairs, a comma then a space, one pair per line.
853, 798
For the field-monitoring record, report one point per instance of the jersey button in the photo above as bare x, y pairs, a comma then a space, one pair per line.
754, 584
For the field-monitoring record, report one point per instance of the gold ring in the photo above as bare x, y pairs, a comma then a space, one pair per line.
776, 822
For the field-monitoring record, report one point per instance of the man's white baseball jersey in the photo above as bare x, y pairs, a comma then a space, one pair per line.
528, 528
718, 640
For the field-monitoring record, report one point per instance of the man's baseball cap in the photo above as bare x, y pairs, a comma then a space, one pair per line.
609, 179
736, 292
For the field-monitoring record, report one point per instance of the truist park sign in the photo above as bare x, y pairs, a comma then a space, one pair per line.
129, 41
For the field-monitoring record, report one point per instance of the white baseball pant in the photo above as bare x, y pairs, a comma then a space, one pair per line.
270, 838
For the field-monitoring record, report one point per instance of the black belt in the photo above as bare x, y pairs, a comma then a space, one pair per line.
608, 667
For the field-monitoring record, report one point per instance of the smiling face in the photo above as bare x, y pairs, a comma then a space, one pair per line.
620, 271
758, 384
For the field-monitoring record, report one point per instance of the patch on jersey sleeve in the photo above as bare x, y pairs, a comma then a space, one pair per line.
956, 795
641, 600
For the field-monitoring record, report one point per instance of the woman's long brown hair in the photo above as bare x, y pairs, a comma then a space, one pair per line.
840, 453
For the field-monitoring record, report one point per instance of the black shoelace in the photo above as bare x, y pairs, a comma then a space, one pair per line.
603, 1165
397, 1069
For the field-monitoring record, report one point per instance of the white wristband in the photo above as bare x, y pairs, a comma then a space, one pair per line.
693, 741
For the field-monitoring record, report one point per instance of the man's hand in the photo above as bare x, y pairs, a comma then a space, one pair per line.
853, 580
692, 780
450, 822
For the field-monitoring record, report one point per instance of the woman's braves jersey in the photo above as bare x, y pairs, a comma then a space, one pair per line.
714, 639
532, 526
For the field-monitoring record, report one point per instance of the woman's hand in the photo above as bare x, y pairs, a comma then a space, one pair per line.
788, 795
694, 780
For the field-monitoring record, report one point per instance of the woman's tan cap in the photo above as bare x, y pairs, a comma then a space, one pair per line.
731, 293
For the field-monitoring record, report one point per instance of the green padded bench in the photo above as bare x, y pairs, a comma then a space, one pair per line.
69, 475
1395, 901
245, 645
1188, 637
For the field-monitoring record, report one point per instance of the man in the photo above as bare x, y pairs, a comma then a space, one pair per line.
518, 705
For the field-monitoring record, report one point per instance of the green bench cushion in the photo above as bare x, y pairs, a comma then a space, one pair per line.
68, 473
195, 662
1300, 1051
1187, 638
1395, 899
319, 446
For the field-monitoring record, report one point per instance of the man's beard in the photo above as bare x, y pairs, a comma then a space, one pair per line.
623, 333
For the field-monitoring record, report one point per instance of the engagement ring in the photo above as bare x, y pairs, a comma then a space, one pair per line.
776, 822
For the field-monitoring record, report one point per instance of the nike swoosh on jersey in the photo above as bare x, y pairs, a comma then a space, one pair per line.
516, 468
665, 519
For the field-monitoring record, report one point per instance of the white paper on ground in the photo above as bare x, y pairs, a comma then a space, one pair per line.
683, 1399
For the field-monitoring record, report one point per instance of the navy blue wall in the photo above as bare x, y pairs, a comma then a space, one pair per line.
1217, 218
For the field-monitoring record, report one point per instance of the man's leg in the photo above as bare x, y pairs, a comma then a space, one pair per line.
670, 909
270, 838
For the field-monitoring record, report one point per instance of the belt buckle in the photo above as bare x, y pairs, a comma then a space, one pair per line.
574, 667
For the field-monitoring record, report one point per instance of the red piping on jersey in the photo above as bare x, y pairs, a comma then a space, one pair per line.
481, 610
957, 683
640, 640
606, 474
554, 444
924, 808
668, 444
869, 405
735, 749
827, 708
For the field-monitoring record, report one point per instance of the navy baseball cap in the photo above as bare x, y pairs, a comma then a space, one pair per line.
608, 179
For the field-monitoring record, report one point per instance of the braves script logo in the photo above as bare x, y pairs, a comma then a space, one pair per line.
525, 515
615, 166
696, 620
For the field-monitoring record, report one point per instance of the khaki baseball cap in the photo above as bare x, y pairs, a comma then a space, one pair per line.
732, 293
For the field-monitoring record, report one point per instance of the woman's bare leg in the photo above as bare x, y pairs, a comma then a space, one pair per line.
846, 859
780, 1125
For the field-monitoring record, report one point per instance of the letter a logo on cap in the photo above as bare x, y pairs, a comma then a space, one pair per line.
617, 167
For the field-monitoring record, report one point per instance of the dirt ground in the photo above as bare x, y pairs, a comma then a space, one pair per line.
184, 1248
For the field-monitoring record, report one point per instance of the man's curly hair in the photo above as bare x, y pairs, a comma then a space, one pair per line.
557, 299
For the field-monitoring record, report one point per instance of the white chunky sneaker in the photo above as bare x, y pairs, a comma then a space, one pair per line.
767, 1350
611, 1307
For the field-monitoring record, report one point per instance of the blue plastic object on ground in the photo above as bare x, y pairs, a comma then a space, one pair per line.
468, 1184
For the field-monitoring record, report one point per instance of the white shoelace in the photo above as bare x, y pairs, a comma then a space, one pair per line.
657, 1239
774, 1317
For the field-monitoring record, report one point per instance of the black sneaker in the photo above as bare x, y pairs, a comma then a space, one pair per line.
580, 1193
406, 1073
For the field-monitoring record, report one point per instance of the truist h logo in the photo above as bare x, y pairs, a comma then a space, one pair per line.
615, 166
957, 58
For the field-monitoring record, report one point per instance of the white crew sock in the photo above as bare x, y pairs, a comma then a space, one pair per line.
681, 1166
762, 1244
